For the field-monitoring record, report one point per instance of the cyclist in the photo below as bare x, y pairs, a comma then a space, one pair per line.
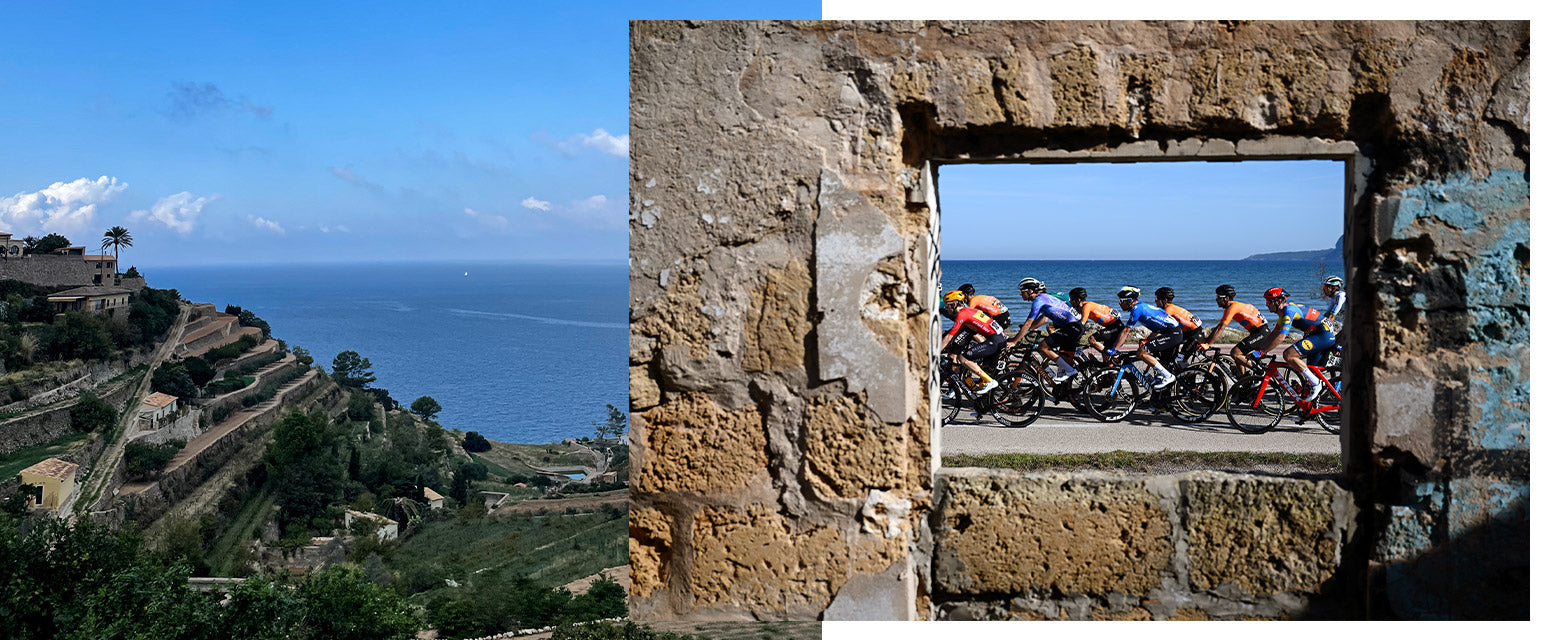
1317, 337
1334, 289
967, 351
1066, 327
990, 304
1187, 321
1109, 324
1166, 333
1244, 314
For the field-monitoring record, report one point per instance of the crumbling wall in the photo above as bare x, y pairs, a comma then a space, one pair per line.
783, 287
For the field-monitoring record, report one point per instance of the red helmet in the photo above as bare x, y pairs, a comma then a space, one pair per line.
1275, 292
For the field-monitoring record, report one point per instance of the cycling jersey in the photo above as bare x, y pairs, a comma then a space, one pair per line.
1059, 313
975, 319
1151, 317
1186, 319
1243, 313
1336, 302
991, 305
1302, 318
1098, 313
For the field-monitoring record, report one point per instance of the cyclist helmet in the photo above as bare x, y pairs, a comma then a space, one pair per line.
1275, 293
953, 296
1078, 294
1030, 283
1165, 294
1129, 293
1334, 281
1227, 291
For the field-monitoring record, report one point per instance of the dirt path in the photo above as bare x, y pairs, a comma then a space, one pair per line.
591, 502
95, 485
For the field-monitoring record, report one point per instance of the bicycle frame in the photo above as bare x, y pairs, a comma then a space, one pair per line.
1305, 406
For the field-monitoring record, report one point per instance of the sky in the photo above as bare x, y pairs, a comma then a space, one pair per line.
326, 132
1139, 211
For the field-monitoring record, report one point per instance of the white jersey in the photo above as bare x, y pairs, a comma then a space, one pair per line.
1336, 303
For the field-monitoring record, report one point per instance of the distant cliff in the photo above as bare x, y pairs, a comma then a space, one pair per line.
1336, 254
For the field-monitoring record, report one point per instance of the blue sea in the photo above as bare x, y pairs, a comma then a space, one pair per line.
1194, 282
519, 352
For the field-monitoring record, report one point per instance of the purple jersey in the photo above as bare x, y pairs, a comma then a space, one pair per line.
1059, 313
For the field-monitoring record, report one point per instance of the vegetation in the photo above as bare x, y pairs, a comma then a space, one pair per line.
45, 245
25, 457
132, 273
302, 355
475, 443
426, 407
80, 335
614, 425
144, 462
351, 370
84, 581
90, 413
521, 604
216, 356
172, 378
306, 468
116, 238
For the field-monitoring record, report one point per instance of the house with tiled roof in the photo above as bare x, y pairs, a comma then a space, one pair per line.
52, 482
112, 302
158, 406
435, 500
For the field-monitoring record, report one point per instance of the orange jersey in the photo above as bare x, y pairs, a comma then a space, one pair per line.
991, 305
1243, 313
1186, 319
1098, 313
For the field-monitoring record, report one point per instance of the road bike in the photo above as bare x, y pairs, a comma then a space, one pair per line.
1258, 401
1031, 367
1113, 392
1015, 402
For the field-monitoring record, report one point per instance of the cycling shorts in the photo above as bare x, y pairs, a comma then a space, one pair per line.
1064, 338
1313, 347
1004, 318
1106, 334
1256, 338
982, 351
1160, 342
1194, 335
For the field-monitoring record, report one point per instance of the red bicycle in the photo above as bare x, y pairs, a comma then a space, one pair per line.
1257, 402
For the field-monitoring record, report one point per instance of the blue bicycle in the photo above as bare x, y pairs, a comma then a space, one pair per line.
1112, 393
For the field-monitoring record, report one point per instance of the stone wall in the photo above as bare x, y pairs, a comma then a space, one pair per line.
48, 271
783, 285
49, 424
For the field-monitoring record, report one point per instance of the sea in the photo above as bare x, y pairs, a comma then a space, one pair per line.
1194, 282
519, 352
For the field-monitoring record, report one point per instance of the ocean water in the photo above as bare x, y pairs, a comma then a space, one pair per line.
1194, 282
518, 352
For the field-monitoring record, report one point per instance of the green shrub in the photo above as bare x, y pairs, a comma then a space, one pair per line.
145, 461
475, 443
90, 413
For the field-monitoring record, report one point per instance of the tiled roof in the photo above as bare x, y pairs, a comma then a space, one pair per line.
430, 494
90, 292
160, 399
53, 468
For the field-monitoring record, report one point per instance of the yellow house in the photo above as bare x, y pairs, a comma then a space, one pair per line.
56, 477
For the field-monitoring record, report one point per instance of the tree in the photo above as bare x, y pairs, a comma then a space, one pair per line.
132, 272
426, 407
475, 443
351, 370
302, 355
80, 335
614, 425
199, 371
49, 244
117, 238
90, 413
307, 473
172, 378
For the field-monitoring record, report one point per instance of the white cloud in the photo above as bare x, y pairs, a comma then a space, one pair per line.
611, 145
535, 203
487, 219
597, 212
63, 207
267, 225
594, 203
342, 229
178, 211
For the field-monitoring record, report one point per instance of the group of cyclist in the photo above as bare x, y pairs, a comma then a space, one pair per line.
976, 334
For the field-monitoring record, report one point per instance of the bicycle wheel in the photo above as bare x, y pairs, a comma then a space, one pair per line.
1251, 410
1110, 396
1196, 394
1330, 420
1018, 400
952, 397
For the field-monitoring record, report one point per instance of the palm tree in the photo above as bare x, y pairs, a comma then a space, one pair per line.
116, 237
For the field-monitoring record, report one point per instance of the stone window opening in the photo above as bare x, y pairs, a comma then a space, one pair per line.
1357, 168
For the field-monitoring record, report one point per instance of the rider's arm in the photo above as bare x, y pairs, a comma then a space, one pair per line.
1029, 326
1118, 340
1283, 326
1335, 304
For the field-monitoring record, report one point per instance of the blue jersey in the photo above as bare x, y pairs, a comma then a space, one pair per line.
1302, 318
1059, 313
1151, 317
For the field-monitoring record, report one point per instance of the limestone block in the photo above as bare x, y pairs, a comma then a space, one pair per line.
644, 392
1407, 404
751, 557
691, 444
1262, 537
848, 452
853, 237
1003, 533
650, 538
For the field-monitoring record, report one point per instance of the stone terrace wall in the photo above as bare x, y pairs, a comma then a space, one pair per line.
48, 271
48, 425
783, 290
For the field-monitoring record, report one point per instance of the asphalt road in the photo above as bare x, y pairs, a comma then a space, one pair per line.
1062, 429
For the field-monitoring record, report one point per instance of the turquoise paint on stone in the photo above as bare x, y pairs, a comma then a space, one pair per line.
1477, 501
1502, 395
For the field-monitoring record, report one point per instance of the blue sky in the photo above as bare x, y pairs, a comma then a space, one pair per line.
302, 132
1140, 211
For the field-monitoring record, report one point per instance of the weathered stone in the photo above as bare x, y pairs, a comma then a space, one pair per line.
778, 327
1003, 533
650, 538
644, 393
752, 557
1258, 538
694, 445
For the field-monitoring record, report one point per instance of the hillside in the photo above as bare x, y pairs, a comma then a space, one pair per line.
1336, 254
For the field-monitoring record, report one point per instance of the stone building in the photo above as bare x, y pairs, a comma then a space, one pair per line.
111, 302
784, 234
